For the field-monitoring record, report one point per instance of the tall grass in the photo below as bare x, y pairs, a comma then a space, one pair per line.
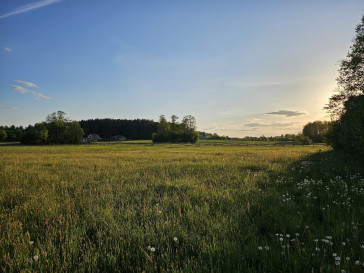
180, 209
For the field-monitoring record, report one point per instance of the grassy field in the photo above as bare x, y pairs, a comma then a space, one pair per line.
120, 208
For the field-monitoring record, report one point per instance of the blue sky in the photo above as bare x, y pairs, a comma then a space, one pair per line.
240, 67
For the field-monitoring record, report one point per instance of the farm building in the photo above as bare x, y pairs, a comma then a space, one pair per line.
94, 137
118, 137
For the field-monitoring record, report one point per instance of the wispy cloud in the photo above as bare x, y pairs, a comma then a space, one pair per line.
38, 96
287, 113
28, 7
7, 49
30, 84
274, 124
19, 89
244, 84
7, 107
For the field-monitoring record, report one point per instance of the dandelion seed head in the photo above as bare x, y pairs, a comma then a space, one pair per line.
260, 248
36, 257
152, 249
175, 239
357, 262
149, 247
266, 247
31, 242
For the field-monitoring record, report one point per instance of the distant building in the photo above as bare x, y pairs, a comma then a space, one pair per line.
94, 137
118, 137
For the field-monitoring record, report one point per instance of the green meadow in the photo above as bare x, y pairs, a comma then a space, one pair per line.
164, 208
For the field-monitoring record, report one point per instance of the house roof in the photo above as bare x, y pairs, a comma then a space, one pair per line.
94, 136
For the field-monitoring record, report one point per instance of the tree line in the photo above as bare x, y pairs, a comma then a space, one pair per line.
131, 129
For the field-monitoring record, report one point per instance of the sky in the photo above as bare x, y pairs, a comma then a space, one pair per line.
241, 68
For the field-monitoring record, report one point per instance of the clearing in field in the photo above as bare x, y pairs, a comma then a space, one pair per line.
180, 209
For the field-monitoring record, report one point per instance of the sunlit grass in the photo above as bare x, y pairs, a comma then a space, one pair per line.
179, 209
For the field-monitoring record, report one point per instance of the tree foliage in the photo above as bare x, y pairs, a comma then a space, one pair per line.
57, 129
176, 132
3, 135
348, 132
350, 81
315, 130
346, 106
131, 129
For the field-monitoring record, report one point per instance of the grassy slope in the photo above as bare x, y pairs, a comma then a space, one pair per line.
98, 208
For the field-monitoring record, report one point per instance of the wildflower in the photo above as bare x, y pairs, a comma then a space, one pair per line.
362, 246
334, 254
281, 239
297, 234
347, 258
175, 239
357, 262
343, 271
149, 247
337, 262
260, 248
288, 235
152, 249
337, 258
317, 249
343, 243
31, 242
266, 247
36, 258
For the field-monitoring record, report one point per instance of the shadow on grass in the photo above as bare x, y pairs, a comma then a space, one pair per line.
304, 214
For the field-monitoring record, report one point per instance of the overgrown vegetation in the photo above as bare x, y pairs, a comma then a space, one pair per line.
164, 208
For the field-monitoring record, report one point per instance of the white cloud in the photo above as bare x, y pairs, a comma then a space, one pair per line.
19, 89
7, 49
7, 107
38, 96
28, 7
30, 84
